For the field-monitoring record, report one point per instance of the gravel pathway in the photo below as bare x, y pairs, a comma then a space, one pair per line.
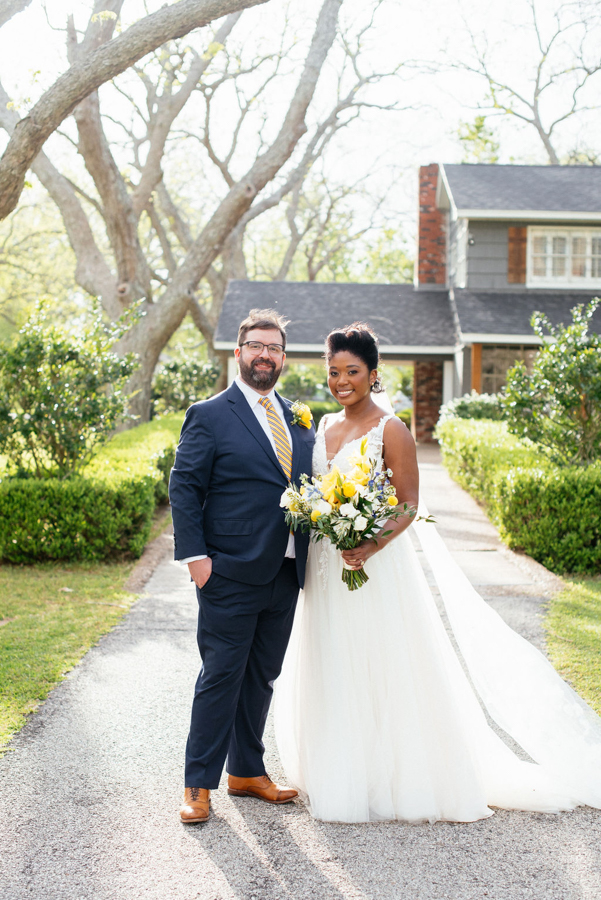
90, 789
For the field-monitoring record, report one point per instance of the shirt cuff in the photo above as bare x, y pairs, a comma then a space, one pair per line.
188, 559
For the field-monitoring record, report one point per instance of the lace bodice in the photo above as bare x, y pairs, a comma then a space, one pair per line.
321, 465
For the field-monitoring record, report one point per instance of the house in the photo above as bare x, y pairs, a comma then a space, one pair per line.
495, 244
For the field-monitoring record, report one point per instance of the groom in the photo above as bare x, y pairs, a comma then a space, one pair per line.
237, 453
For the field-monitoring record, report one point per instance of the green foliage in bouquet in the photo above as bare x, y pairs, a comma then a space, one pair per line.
558, 405
60, 395
345, 508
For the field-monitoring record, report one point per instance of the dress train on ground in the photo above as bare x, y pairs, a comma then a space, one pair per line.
380, 717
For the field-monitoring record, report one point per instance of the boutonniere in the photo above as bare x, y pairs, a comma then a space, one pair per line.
301, 414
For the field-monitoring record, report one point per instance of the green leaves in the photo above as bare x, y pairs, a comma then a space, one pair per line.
552, 513
75, 519
179, 384
558, 404
473, 406
106, 514
60, 396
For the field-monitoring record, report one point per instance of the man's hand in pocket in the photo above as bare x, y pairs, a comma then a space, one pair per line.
200, 571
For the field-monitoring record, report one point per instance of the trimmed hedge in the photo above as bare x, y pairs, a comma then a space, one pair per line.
145, 451
473, 406
76, 519
320, 408
105, 512
553, 514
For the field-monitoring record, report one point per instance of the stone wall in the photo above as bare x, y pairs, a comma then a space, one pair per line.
432, 240
427, 399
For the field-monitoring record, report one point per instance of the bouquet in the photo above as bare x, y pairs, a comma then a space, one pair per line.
346, 508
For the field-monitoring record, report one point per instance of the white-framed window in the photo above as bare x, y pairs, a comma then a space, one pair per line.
564, 256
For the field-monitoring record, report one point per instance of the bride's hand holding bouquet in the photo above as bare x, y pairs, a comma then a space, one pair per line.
351, 509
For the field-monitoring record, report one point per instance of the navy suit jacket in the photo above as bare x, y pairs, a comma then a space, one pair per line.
226, 485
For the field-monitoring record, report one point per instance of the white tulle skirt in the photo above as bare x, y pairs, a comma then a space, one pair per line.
379, 717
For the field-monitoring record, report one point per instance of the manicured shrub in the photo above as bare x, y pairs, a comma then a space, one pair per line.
303, 382
473, 406
321, 408
552, 513
145, 451
176, 385
104, 513
74, 519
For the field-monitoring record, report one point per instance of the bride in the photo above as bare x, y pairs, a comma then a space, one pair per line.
378, 715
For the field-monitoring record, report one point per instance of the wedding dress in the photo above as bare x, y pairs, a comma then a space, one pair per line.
379, 716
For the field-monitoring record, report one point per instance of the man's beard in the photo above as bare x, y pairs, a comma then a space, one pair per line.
262, 380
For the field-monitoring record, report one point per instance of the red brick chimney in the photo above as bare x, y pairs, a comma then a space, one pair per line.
432, 240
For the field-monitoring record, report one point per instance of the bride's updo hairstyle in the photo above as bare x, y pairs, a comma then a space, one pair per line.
359, 340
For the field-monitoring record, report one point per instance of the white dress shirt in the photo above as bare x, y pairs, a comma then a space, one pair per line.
253, 397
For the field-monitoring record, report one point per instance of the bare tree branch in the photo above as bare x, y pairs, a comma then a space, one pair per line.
167, 109
163, 318
208, 244
87, 74
155, 221
180, 227
10, 8
163, 250
550, 71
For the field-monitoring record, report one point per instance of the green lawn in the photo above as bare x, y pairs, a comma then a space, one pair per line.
573, 627
50, 615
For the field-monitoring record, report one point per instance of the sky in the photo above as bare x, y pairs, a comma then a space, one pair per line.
421, 36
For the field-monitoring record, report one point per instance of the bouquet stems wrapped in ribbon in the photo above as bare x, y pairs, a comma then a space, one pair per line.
346, 508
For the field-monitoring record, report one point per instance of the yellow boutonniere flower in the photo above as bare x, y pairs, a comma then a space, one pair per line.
301, 414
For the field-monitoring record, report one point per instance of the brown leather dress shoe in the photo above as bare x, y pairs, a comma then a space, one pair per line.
261, 787
195, 807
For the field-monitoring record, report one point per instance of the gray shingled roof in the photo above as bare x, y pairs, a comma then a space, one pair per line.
398, 313
499, 312
561, 188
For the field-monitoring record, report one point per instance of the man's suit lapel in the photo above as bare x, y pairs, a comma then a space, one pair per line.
247, 417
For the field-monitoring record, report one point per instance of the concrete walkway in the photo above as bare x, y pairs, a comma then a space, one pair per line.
90, 790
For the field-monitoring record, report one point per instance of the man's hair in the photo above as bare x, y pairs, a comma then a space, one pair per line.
262, 318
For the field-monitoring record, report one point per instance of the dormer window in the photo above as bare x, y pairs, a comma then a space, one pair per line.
564, 256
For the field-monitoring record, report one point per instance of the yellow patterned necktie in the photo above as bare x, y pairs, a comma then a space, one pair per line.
282, 444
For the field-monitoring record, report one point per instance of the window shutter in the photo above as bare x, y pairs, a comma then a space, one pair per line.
516, 256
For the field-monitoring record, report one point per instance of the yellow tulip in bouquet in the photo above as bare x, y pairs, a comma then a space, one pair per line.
346, 508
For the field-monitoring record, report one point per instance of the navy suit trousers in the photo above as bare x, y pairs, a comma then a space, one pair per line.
243, 632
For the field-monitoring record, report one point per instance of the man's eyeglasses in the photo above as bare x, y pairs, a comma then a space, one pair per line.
257, 347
